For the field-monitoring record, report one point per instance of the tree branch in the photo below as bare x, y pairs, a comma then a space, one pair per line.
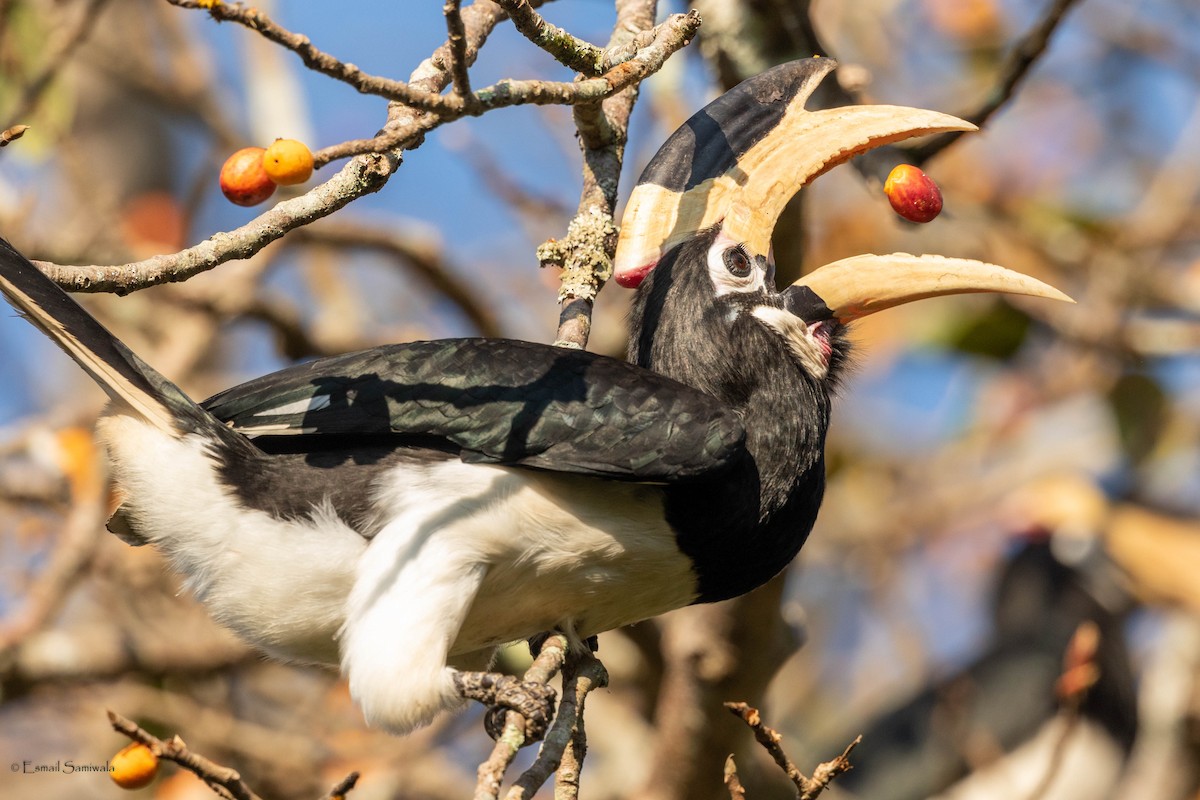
490, 774
769, 738
1024, 54
406, 128
224, 781
318, 60
456, 39
566, 742
586, 253
360, 177
732, 782
568, 50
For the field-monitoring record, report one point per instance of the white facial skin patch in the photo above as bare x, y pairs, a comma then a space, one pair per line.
759, 277
810, 344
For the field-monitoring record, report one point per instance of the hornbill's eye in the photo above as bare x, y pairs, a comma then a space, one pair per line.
737, 261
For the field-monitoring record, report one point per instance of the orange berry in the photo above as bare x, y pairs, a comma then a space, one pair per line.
243, 179
913, 194
288, 162
134, 767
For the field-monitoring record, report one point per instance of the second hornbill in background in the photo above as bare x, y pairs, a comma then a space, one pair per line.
404, 510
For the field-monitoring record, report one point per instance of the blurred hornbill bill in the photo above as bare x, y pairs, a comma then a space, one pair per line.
404, 510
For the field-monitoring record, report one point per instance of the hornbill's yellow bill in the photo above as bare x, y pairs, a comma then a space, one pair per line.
740, 160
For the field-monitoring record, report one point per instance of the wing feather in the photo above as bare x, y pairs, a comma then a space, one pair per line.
496, 401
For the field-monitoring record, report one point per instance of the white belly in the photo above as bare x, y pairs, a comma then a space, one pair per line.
567, 553
543, 551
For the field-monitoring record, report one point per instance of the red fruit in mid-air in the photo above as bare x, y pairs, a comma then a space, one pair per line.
913, 194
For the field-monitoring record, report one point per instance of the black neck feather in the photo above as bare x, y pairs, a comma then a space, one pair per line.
744, 525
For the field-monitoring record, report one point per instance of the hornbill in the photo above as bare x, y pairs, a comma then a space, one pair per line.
404, 510
994, 728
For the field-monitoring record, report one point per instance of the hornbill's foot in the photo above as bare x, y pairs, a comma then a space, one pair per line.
536, 641
504, 693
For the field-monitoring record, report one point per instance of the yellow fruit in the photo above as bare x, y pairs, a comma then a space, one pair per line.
134, 767
243, 179
288, 162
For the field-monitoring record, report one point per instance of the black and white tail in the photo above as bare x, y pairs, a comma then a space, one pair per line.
124, 377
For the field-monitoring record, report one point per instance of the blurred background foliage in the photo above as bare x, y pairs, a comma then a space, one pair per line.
1001, 470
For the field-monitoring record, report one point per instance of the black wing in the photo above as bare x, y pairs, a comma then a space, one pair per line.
495, 401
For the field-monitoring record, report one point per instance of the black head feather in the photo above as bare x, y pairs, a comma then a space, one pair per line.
747, 525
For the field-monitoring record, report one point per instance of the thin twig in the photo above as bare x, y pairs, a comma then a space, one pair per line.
769, 738
586, 253
342, 788
1024, 54
565, 746
456, 37
568, 50
318, 60
224, 781
11, 134
490, 774
367, 175
732, 782
826, 771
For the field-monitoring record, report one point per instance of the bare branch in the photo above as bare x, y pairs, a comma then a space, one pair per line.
586, 253
566, 743
11, 134
317, 59
568, 50
826, 771
224, 781
660, 43
339, 791
479, 20
1016, 67
502, 94
490, 774
456, 38
732, 782
769, 738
